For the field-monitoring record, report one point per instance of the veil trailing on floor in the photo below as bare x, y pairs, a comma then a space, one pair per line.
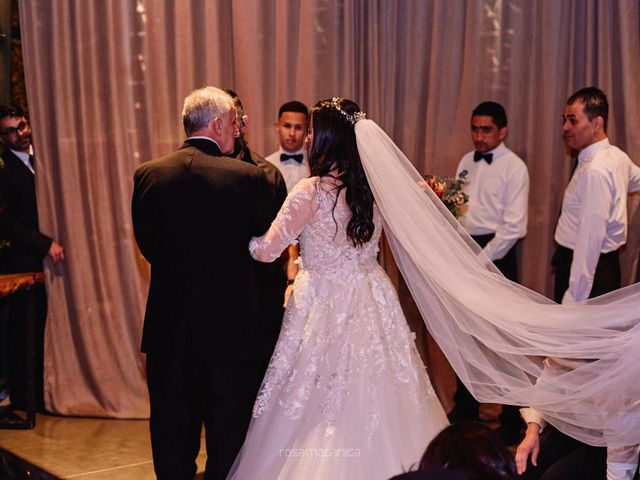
578, 365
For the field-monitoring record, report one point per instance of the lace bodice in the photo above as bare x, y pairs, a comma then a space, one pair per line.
308, 213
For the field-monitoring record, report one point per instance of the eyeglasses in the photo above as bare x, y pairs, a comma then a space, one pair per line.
22, 126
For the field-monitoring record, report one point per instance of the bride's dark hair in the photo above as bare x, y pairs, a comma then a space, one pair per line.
334, 147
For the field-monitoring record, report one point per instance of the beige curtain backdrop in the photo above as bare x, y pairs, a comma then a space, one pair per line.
106, 82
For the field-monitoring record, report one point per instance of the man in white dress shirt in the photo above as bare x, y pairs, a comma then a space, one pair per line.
593, 222
497, 182
291, 157
591, 228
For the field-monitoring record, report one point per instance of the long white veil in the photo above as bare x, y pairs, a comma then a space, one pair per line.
579, 365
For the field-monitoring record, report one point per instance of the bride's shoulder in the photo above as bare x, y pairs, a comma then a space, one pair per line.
304, 190
309, 181
305, 185
318, 187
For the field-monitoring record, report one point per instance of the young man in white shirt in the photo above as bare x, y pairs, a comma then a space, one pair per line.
291, 159
497, 182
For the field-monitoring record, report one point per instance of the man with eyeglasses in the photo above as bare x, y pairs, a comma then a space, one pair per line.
22, 249
271, 276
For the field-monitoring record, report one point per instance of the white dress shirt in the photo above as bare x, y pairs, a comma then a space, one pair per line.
24, 157
622, 463
498, 199
594, 212
291, 170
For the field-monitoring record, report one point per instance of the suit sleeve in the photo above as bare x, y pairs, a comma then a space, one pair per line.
13, 230
143, 217
281, 191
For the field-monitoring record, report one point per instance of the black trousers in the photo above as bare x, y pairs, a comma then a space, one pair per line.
607, 276
508, 264
564, 458
16, 353
466, 406
186, 394
4, 344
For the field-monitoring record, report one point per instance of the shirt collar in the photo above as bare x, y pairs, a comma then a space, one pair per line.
205, 138
24, 157
588, 152
498, 151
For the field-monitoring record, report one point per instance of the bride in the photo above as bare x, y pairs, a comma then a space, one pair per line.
346, 395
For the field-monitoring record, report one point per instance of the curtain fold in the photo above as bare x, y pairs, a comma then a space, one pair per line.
106, 81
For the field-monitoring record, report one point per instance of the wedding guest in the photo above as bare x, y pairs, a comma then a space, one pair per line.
497, 183
473, 448
194, 211
22, 249
242, 151
291, 157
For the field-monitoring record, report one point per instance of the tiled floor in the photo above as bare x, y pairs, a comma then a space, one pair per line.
87, 448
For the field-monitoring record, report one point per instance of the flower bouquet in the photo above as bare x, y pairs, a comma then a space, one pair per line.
449, 190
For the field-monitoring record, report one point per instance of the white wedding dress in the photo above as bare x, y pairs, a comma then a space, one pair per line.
346, 395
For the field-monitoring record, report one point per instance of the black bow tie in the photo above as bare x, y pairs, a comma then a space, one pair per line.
487, 157
297, 157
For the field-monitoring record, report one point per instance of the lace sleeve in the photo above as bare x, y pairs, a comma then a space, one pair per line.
288, 224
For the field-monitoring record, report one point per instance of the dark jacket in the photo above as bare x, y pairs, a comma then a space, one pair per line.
22, 245
194, 213
272, 277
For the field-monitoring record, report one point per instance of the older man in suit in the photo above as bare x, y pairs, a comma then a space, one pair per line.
22, 249
194, 212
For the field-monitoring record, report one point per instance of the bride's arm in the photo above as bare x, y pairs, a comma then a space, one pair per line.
288, 224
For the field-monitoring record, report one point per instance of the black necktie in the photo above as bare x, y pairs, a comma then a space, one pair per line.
297, 157
487, 157
574, 165
32, 161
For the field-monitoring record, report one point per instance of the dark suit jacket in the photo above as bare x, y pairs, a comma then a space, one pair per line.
194, 213
19, 218
275, 178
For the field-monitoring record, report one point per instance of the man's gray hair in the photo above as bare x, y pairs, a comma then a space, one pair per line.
203, 105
